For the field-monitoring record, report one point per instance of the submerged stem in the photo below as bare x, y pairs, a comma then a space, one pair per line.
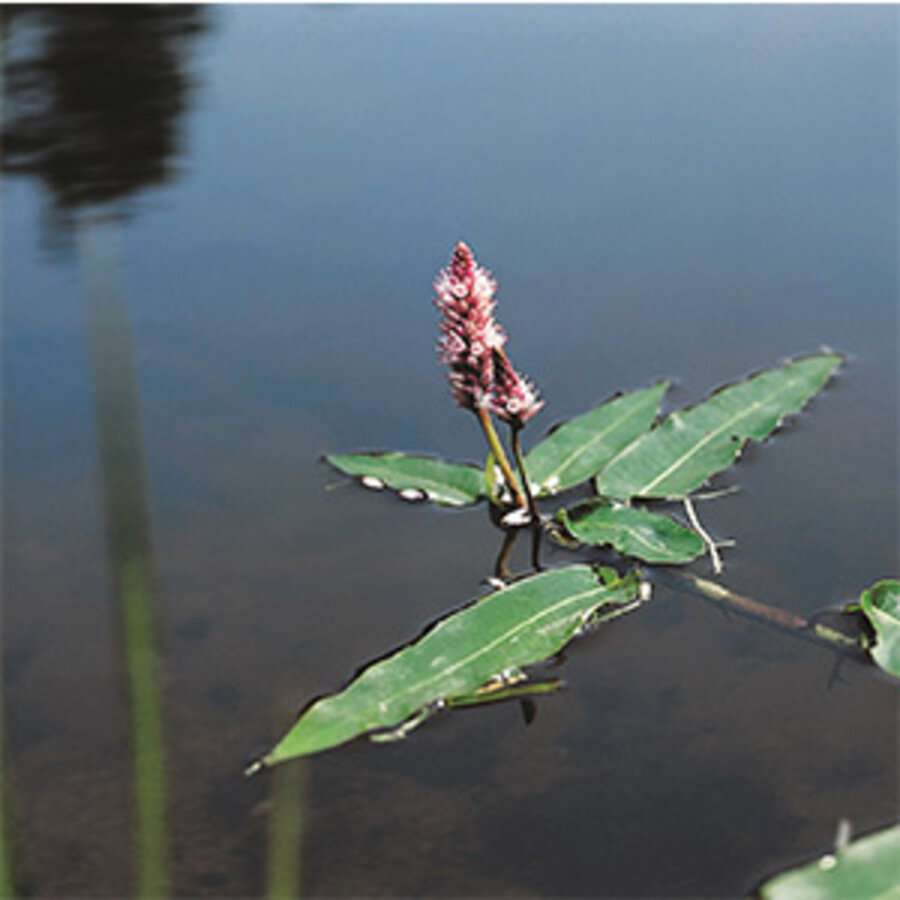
809, 629
747, 605
532, 506
501, 566
487, 426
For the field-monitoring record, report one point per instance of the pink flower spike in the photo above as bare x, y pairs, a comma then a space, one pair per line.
514, 398
469, 334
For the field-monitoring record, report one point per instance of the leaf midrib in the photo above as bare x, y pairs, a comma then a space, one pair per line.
657, 546
485, 648
598, 437
682, 460
618, 528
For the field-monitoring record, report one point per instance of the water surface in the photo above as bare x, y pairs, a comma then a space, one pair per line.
225, 273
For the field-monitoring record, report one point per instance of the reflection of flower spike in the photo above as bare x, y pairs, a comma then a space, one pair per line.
469, 334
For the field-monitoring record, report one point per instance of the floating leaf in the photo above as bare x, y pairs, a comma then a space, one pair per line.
691, 445
483, 644
881, 606
634, 532
866, 869
578, 449
415, 477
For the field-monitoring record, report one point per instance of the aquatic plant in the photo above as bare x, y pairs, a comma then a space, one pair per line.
481, 376
635, 464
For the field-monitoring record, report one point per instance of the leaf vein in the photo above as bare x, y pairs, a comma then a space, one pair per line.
583, 448
485, 648
716, 432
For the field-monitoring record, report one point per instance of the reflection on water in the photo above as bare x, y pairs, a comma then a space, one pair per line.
123, 480
93, 148
93, 98
661, 192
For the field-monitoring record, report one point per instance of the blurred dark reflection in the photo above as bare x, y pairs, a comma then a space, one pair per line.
93, 96
93, 101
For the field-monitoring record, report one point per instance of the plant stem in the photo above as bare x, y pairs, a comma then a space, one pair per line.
501, 567
771, 615
532, 506
747, 605
487, 426
704, 534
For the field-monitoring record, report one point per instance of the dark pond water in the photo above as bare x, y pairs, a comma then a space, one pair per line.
220, 231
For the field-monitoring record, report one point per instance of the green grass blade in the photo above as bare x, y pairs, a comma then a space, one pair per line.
514, 626
414, 477
142, 660
7, 879
691, 445
284, 877
578, 449
634, 532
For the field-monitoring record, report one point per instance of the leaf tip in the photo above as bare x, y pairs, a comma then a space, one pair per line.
826, 350
256, 766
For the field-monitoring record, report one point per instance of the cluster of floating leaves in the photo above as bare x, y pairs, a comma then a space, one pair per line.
620, 449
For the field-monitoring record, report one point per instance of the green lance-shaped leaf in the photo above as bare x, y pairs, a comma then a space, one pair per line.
578, 449
415, 477
881, 606
634, 532
518, 625
866, 869
691, 445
